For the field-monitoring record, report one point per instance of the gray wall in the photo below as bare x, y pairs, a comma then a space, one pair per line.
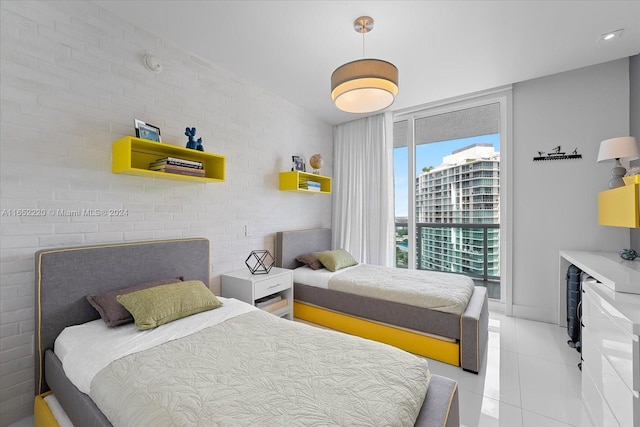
555, 202
634, 124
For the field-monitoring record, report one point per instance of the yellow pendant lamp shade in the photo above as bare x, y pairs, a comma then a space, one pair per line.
365, 85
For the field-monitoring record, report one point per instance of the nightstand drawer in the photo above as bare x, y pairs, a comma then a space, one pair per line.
272, 285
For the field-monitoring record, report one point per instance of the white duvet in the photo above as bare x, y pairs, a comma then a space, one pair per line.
240, 366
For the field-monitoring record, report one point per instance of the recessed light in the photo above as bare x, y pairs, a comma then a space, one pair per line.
611, 35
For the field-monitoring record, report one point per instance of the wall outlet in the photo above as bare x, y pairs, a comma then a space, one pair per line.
247, 233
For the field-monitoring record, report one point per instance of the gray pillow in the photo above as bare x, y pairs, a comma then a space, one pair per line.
111, 311
311, 260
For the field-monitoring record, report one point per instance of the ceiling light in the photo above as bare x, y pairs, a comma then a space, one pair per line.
611, 35
364, 85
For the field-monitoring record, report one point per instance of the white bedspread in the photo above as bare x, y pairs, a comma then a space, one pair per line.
439, 291
260, 370
86, 349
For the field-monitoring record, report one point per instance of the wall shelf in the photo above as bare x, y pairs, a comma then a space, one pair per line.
620, 207
132, 156
296, 181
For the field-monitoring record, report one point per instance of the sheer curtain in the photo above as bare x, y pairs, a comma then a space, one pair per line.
362, 219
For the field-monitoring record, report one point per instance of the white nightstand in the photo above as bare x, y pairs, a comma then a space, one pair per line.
276, 287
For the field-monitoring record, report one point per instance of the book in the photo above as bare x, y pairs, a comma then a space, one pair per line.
176, 168
178, 162
192, 172
276, 305
263, 302
313, 186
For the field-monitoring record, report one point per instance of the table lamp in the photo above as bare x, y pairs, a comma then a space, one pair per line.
623, 147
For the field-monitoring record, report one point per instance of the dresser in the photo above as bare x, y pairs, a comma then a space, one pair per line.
610, 338
271, 292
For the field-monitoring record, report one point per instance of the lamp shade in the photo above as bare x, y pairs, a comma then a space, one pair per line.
623, 147
364, 86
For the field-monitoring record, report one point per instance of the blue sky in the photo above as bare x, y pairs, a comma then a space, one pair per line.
428, 155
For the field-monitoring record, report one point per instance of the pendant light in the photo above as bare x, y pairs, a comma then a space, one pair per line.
364, 85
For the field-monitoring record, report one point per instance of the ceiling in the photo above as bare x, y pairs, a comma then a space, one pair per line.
442, 49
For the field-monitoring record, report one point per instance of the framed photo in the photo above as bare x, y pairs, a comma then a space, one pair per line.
147, 131
298, 164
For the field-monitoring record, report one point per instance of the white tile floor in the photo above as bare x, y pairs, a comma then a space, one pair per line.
529, 378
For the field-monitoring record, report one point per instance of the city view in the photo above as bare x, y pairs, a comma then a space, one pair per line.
457, 208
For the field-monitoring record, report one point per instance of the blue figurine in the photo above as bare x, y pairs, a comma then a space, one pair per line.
199, 147
191, 132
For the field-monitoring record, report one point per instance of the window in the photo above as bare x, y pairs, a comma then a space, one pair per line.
448, 192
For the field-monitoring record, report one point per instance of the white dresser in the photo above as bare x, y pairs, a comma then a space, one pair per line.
610, 340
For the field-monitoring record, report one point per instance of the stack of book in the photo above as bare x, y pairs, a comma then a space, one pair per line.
178, 166
309, 185
272, 303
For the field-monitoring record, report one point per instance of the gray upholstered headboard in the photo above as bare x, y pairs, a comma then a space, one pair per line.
65, 276
290, 244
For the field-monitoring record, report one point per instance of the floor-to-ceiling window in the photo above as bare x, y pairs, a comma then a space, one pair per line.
448, 204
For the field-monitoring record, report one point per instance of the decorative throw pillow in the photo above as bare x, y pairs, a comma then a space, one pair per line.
336, 260
156, 306
311, 260
111, 311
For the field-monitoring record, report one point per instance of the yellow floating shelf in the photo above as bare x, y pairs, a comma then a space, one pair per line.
132, 156
296, 181
620, 207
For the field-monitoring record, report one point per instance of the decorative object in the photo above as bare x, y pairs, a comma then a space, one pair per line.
259, 262
298, 164
147, 131
191, 143
152, 63
557, 154
628, 254
364, 85
623, 147
316, 163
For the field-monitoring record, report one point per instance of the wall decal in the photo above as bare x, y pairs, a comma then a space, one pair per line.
557, 154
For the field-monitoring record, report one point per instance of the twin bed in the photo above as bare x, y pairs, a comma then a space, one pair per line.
230, 365
452, 329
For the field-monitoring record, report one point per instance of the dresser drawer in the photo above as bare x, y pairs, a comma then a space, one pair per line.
272, 285
619, 396
611, 336
595, 404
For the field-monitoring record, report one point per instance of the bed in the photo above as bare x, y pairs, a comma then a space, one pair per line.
65, 276
459, 339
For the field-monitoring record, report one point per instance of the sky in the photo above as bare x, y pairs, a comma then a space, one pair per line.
428, 155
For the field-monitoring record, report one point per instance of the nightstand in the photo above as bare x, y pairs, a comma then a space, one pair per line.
272, 292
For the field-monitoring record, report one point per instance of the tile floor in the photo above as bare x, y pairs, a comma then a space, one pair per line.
529, 378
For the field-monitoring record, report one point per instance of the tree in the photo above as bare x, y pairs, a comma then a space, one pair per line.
427, 169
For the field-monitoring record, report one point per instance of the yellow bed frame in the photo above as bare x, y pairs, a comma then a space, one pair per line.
414, 342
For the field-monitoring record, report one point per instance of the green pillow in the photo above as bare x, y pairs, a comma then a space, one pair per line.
336, 260
156, 306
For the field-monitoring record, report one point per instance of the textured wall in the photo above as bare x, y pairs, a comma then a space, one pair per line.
72, 82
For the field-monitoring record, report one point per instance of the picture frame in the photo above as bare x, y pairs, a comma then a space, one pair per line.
298, 164
147, 131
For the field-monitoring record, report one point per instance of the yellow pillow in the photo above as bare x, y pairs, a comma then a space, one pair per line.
156, 306
336, 260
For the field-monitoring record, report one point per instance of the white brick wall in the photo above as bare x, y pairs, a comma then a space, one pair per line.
72, 82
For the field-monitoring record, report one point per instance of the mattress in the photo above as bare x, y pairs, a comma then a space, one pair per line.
445, 292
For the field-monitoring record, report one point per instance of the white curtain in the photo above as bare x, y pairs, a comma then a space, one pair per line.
363, 213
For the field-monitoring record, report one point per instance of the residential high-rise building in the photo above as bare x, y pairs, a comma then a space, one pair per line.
463, 191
